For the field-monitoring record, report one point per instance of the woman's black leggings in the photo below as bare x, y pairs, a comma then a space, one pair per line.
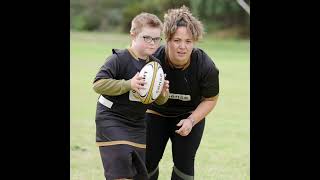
184, 148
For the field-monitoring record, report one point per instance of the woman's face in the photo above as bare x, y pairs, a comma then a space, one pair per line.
180, 46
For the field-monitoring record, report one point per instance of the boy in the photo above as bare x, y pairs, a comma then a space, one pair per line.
120, 126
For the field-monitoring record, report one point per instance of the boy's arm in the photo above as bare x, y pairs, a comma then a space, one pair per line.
162, 99
112, 87
164, 95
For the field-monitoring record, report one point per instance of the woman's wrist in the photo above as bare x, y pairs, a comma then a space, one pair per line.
192, 120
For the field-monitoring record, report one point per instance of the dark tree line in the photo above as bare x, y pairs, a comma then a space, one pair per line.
116, 15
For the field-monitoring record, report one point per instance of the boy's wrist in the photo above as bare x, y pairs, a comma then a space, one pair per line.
127, 84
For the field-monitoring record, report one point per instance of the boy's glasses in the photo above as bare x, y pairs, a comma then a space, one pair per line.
148, 39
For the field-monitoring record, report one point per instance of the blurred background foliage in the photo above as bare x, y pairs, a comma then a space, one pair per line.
222, 17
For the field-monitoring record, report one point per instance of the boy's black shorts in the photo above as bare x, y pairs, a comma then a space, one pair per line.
123, 161
121, 157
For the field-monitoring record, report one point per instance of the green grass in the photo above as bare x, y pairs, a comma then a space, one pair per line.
224, 153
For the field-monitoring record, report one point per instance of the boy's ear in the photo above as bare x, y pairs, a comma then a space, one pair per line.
132, 36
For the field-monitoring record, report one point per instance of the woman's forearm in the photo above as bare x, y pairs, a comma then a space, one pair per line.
203, 109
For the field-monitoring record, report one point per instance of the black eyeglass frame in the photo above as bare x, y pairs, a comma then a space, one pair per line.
148, 39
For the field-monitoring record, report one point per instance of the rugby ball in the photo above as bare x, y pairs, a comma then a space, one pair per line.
153, 74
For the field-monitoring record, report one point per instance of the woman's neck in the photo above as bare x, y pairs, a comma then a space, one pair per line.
180, 64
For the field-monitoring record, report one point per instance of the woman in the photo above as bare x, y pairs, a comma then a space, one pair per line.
194, 89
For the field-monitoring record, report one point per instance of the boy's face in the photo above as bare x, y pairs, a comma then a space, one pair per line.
148, 40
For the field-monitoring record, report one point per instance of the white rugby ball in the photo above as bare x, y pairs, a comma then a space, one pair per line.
153, 74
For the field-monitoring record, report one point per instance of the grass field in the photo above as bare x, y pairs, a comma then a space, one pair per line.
224, 153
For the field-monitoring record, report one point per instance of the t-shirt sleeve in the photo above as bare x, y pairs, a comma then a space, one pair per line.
209, 76
109, 70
